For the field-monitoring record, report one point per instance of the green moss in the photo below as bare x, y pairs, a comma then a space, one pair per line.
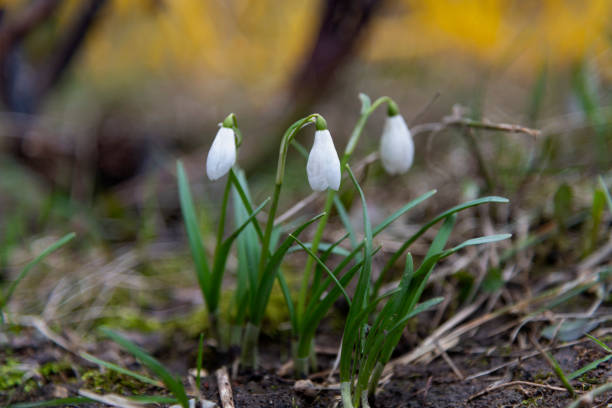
192, 324
532, 402
10, 375
586, 378
111, 381
542, 376
29, 386
276, 312
505, 351
55, 368
130, 319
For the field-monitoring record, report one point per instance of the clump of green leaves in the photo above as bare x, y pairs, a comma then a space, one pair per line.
370, 337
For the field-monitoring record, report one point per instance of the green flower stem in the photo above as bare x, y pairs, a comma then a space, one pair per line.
280, 175
249, 349
221, 227
217, 273
249, 346
301, 365
329, 202
265, 245
374, 380
345, 391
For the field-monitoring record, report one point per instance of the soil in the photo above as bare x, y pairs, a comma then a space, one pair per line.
57, 373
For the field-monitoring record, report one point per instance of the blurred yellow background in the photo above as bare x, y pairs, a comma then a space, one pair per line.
259, 44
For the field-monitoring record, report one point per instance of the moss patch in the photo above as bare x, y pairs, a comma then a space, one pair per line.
111, 381
10, 375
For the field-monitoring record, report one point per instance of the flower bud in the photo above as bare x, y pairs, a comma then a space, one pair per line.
396, 146
222, 153
323, 167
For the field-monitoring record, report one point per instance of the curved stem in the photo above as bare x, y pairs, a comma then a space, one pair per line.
329, 202
250, 344
280, 174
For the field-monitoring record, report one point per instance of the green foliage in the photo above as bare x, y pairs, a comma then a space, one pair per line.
115, 368
591, 366
563, 204
585, 87
209, 279
59, 402
493, 280
173, 383
597, 210
24, 272
55, 367
11, 374
369, 338
606, 192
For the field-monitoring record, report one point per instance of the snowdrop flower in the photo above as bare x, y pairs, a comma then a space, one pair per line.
222, 153
323, 167
396, 145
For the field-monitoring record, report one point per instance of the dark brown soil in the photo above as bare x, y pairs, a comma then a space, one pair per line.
431, 385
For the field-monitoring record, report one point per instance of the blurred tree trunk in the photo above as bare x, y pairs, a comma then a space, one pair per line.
343, 24
24, 85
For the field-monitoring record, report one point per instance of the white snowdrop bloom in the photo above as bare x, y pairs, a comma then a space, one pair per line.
222, 154
323, 165
396, 146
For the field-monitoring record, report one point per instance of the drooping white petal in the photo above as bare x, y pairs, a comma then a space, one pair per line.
222, 154
396, 146
323, 167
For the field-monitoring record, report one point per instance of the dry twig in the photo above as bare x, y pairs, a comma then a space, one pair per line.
512, 384
225, 388
113, 400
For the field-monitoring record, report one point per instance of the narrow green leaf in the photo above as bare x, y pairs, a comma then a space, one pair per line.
601, 343
352, 326
24, 272
330, 273
482, 240
420, 308
387, 221
152, 399
606, 192
319, 305
240, 184
248, 246
323, 246
397, 254
220, 261
288, 300
346, 222
559, 372
119, 369
174, 385
563, 200
53, 403
193, 233
591, 366
246, 222
266, 281
379, 228
300, 148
